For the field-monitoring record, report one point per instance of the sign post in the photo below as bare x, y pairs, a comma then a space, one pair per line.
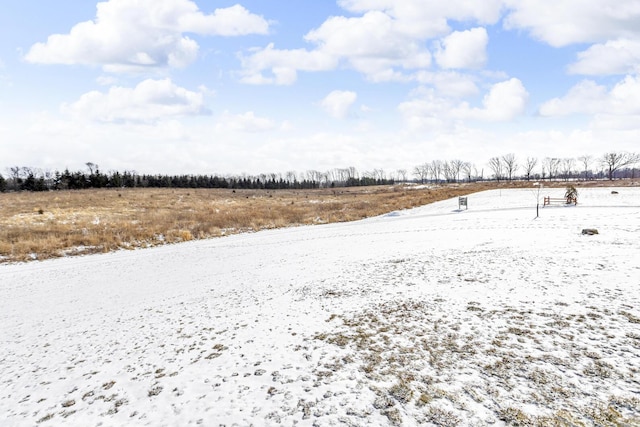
462, 201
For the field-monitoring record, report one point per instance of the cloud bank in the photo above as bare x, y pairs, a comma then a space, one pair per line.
136, 35
151, 100
338, 102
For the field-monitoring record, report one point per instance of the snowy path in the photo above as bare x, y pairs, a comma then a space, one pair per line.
422, 316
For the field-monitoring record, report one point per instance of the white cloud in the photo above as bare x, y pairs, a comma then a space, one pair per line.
247, 122
133, 35
388, 39
230, 21
283, 64
565, 22
625, 96
449, 83
612, 29
428, 18
338, 102
587, 97
106, 80
371, 44
149, 101
375, 34
619, 56
505, 101
427, 112
463, 49
387, 42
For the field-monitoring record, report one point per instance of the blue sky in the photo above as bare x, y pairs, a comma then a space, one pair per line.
181, 86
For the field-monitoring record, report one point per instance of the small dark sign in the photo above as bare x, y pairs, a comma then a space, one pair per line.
462, 201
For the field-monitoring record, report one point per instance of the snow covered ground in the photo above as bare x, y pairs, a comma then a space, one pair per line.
430, 316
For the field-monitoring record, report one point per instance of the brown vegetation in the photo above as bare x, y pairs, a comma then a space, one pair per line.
53, 224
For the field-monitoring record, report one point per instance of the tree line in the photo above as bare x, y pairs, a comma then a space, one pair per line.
611, 165
33, 179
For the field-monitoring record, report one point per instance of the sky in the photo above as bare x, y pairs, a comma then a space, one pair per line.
190, 87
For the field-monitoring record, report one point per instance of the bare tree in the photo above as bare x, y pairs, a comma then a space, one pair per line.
613, 162
14, 176
14, 172
91, 166
554, 166
448, 171
49, 178
510, 164
479, 174
379, 174
457, 165
435, 168
551, 164
314, 177
567, 166
26, 171
402, 175
467, 168
421, 172
352, 173
495, 164
346, 174
585, 161
291, 177
324, 179
529, 165
333, 176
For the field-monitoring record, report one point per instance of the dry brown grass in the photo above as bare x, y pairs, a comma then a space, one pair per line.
53, 224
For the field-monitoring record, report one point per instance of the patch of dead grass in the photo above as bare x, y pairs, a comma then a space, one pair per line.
437, 372
62, 223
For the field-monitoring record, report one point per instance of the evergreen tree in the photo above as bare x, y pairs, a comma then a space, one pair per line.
29, 183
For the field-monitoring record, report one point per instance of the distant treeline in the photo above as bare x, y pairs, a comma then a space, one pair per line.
611, 165
28, 179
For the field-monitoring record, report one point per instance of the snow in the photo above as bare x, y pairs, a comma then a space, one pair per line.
430, 316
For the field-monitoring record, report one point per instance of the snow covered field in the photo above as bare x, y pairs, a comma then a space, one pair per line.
433, 315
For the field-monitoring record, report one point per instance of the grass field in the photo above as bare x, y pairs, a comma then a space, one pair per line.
37, 226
